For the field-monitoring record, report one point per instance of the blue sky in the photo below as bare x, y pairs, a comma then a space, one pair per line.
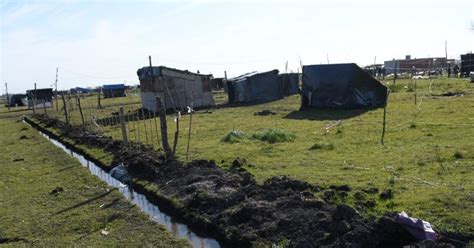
98, 42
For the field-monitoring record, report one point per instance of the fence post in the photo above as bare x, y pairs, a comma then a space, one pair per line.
191, 110
384, 115
65, 108
80, 112
122, 125
164, 128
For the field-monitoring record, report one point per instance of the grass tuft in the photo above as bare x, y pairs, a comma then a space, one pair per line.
274, 135
322, 146
233, 136
458, 155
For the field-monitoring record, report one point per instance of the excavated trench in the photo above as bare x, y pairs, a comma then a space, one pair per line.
229, 206
153, 211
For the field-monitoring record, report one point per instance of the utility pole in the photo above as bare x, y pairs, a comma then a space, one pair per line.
56, 90
7, 99
446, 51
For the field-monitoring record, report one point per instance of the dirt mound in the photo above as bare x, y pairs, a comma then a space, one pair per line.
233, 208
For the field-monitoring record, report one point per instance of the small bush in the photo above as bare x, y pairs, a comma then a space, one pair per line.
394, 87
274, 135
233, 136
412, 125
458, 155
322, 146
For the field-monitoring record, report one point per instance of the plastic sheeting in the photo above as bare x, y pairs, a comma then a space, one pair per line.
254, 87
289, 83
420, 229
344, 86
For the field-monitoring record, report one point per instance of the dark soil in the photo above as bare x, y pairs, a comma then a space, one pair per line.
230, 206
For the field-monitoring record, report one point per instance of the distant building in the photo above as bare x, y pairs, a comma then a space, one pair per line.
113, 90
409, 65
344, 86
467, 64
178, 88
40, 98
80, 90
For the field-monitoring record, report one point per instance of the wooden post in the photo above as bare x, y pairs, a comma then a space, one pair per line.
189, 132
156, 128
65, 108
144, 124
80, 112
122, 125
416, 94
176, 134
164, 128
384, 116
56, 90
8, 99
395, 73
99, 106
34, 100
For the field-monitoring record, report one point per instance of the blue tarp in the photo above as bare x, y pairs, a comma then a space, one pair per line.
341, 86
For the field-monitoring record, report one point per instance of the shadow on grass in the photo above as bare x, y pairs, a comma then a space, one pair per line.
85, 202
325, 114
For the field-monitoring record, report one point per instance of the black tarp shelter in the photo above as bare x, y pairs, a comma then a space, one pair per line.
289, 83
254, 87
16, 100
113, 90
40, 97
467, 64
341, 86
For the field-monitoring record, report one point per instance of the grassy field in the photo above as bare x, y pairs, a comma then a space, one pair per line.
427, 159
31, 215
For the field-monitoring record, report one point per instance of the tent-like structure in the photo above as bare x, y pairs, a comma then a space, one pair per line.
341, 86
40, 97
113, 90
16, 100
467, 64
289, 83
254, 87
178, 88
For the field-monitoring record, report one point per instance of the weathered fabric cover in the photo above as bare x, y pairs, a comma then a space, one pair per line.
341, 86
254, 87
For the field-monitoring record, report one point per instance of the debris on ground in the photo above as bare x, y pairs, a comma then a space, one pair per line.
120, 173
420, 229
265, 112
18, 159
104, 232
57, 190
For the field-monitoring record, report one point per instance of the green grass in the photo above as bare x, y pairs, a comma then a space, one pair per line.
272, 136
31, 216
418, 161
233, 136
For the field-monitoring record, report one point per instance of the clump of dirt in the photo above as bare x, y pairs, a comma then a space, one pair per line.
265, 112
23, 137
56, 190
18, 159
233, 208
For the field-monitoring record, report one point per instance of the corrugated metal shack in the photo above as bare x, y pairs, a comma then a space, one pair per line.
178, 88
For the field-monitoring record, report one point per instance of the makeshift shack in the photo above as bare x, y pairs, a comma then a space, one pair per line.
113, 90
217, 83
178, 88
254, 87
15, 100
341, 86
467, 64
289, 83
40, 98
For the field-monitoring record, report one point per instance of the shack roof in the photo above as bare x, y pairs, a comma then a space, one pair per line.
145, 72
113, 86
